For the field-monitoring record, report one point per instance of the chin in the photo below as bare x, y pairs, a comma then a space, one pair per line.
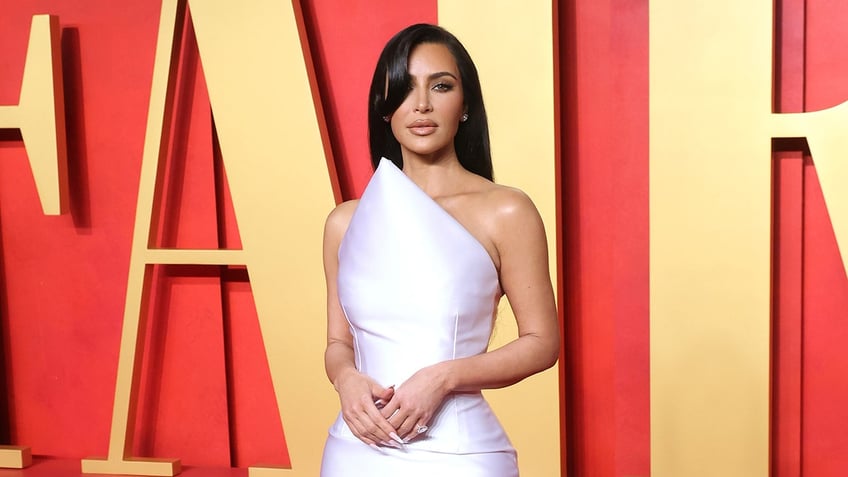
425, 151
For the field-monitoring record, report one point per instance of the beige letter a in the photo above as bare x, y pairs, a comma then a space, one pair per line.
270, 138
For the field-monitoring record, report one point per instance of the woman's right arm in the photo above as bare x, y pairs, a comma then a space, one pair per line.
357, 392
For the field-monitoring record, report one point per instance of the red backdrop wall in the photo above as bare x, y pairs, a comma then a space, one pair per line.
604, 294
811, 289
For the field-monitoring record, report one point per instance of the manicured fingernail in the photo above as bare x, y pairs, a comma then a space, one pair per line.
391, 444
376, 448
396, 437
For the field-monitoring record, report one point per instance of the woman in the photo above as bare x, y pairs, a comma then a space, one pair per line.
415, 270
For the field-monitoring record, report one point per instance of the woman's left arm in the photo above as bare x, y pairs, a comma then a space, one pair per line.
519, 237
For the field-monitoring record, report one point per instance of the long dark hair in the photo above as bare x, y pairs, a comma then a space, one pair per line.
472, 138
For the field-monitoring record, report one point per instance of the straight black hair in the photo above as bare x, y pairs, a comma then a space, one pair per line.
472, 138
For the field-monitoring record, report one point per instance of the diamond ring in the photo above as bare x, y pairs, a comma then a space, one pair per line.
421, 429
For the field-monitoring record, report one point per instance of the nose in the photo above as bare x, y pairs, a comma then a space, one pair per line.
422, 101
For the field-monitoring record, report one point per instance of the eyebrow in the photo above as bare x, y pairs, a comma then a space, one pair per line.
439, 75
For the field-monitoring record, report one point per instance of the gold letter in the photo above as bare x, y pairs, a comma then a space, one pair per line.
270, 138
710, 254
41, 118
710, 135
825, 133
40, 114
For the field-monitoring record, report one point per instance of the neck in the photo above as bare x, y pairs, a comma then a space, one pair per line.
434, 176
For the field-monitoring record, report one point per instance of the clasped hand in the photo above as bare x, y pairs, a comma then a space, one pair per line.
389, 416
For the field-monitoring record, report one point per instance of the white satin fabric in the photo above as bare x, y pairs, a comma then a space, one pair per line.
417, 289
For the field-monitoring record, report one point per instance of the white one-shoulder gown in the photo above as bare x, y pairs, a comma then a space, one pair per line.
417, 289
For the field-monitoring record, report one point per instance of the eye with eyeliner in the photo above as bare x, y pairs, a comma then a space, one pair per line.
442, 86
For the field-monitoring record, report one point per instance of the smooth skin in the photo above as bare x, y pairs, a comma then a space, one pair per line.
506, 223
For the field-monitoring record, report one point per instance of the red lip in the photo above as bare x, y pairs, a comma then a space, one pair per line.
422, 123
422, 127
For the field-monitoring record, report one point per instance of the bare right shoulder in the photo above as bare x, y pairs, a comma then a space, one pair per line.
337, 223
